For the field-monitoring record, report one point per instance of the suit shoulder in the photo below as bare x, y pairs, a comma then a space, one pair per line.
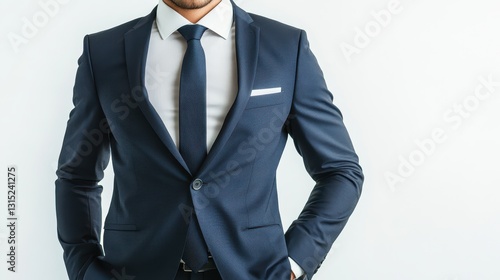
111, 40
277, 35
271, 25
118, 30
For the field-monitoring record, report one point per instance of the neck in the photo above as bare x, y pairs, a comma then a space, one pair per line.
193, 15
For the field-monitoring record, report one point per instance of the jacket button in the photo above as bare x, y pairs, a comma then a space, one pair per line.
197, 184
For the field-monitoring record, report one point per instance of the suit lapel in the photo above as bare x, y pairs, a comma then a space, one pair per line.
247, 50
136, 48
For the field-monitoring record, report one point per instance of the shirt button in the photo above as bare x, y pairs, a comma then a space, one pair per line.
197, 184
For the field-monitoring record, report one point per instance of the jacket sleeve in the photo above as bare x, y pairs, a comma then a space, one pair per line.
320, 137
83, 158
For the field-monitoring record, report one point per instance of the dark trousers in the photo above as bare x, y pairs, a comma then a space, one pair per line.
207, 275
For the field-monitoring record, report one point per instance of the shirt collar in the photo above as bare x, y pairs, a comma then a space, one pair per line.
219, 19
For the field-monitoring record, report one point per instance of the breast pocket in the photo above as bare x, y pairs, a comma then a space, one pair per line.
265, 100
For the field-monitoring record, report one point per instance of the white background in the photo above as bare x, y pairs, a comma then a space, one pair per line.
441, 221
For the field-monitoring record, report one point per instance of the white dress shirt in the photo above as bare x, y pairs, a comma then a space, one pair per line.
164, 62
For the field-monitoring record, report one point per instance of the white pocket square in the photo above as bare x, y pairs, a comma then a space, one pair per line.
265, 91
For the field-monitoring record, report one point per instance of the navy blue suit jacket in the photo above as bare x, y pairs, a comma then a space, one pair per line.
237, 206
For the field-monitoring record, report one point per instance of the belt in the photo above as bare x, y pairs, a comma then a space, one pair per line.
210, 265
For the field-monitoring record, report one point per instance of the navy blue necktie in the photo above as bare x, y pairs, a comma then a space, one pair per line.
192, 130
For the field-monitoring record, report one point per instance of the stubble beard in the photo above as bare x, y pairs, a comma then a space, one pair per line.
191, 4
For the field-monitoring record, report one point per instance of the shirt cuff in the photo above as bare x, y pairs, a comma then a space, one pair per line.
296, 269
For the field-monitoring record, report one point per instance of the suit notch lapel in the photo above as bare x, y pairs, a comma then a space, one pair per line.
247, 51
136, 48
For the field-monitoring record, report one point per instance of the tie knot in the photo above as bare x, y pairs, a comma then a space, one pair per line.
192, 32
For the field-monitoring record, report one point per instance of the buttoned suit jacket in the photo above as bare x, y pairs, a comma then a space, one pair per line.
237, 204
